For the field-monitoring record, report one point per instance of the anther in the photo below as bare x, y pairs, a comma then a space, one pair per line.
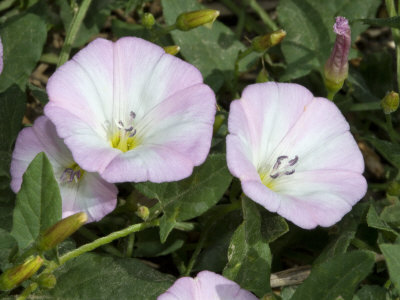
293, 161
133, 133
289, 172
274, 176
132, 114
129, 129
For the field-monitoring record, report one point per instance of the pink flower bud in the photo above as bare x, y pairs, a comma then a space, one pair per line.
337, 67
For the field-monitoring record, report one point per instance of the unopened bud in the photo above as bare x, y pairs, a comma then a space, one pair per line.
262, 76
219, 120
14, 276
173, 50
47, 281
193, 19
143, 212
264, 42
393, 189
60, 231
390, 103
337, 66
148, 20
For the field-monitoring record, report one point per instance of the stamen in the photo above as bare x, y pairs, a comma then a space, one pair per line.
121, 124
133, 133
132, 114
274, 176
65, 173
289, 172
293, 161
129, 129
282, 157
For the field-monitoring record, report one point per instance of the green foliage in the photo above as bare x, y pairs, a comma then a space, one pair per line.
7, 246
393, 22
18, 34
213, 52
392, 257
190, 197
92, 276
310, 36
249, 256
338, 276
38, 203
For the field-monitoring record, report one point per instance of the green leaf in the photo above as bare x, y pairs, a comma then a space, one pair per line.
371, 292
214, 256
23, 39
309, 26
388, 150
346, 231
7, 203
391, 214
7, 246
392, 257
38, 203
12, 109
249, 256
39, 93
91, 276
393, 22
272, 226
374, 221
338, 276
191, 197
213, 51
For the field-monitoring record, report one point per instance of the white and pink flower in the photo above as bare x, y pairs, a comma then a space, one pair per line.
80, 191
207, 285
131, 112
294, 154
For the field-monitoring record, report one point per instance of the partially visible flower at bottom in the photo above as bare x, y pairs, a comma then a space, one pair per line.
80, 191
294, 154
207, 285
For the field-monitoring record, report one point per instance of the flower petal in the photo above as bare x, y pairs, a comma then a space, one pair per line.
207, 285
266, 126
42, 137
91, 194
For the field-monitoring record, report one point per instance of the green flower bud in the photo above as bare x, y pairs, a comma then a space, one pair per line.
219, 120
143, 212
173, 50
264, 42
390, 103
14, 276
394, 189
47, 281
148, 20
193, 19
262, 76
60, 231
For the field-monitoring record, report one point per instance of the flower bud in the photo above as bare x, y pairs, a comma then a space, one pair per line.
143, 212
390, 103
193, 19
262, 76
47, 281
264, 42
148, 20
173, 50
337, 66
219, 120
14, 276
60, 231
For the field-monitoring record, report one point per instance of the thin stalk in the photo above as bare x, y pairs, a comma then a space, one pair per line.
263, 15
73, 31
156, 34
240, 56
131, 243
107, 239
391, 9
390, 130
92, 237
26, 292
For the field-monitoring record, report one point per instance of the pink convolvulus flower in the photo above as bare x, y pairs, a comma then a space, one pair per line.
294, 154
80, 191
337, 66
131, 112
207, 285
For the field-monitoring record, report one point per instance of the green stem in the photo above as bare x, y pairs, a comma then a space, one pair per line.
131, 243
185, 226
73, 31
106, 240
263, 15
389, 126
203, 237
26, 292
91, 236
331, 95
156, 34
241, 55
391, 9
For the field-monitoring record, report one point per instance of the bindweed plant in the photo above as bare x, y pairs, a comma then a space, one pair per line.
184, 149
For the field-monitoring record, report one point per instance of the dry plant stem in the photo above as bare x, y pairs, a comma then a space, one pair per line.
73, 31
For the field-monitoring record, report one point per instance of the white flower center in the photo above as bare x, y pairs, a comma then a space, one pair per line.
283, 166
72, 174
123, 136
